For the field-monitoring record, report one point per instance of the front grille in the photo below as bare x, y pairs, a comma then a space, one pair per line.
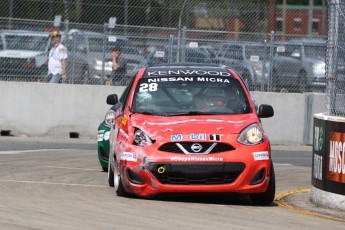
197, 173
173, 147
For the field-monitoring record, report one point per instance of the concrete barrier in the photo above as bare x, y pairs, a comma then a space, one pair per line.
42, 109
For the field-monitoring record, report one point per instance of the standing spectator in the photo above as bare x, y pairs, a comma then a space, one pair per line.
57, 61
118, 73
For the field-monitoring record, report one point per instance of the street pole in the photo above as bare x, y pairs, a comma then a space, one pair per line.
179, 33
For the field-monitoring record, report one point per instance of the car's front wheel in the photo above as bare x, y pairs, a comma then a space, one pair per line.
266, 197
119, 189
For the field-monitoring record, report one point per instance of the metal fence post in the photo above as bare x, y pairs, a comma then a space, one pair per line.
331, 56
183, 45
269, 86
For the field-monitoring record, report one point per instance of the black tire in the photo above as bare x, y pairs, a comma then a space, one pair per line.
275, 82
302, 82
110, 175
118, 186
85, 76
266, 197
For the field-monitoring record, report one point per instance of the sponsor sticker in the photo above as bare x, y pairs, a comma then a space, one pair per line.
127, 156
100, 137
335, 169
317, 167
196, 159
259, 156
192, 137
215, 137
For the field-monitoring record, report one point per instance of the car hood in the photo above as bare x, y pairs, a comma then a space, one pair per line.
165, 127
20, 53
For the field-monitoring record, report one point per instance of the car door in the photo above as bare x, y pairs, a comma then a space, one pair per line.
287, 63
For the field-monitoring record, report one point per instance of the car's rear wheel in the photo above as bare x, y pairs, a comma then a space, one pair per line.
266, 197
275, 82
302, 82
119, 189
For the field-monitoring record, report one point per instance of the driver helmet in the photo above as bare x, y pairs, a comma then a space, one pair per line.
215, 97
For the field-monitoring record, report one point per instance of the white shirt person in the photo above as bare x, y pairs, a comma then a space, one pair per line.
57, 60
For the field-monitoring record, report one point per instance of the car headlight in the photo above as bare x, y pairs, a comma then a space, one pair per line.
251, 135
141, 138
109, 118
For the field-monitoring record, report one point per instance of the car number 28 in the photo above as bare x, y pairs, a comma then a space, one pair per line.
144, 87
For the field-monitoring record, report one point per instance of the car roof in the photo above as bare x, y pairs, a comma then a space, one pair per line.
88, 33
25, 33
308, 41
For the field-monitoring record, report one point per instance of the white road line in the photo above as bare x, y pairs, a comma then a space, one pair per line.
283, 164
29, 151
54, 183
56, 167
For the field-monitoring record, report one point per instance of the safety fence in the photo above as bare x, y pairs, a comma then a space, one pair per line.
335, 59
274, 46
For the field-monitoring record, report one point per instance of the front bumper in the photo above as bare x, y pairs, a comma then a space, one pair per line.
103, 144
235, 171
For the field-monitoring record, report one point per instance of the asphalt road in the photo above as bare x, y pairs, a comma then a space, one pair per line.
59, 184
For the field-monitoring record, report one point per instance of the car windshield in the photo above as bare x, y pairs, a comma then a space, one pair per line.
256, 53
96, 45
26, 42
193, 95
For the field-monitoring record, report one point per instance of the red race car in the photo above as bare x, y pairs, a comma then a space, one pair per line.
189, 128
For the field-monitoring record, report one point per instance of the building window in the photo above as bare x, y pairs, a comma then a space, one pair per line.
315, 26
297, 24
279, 25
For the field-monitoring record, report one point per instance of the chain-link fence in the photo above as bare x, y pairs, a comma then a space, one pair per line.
335, 60
275, 46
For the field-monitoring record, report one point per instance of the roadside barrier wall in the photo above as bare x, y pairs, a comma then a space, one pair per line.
43, 109
328, 169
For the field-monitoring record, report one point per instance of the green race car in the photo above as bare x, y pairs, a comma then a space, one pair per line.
103, 139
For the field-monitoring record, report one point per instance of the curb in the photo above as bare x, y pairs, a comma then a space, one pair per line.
281, 200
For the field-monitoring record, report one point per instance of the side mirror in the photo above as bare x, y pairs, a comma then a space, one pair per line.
112, 99
265, 111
